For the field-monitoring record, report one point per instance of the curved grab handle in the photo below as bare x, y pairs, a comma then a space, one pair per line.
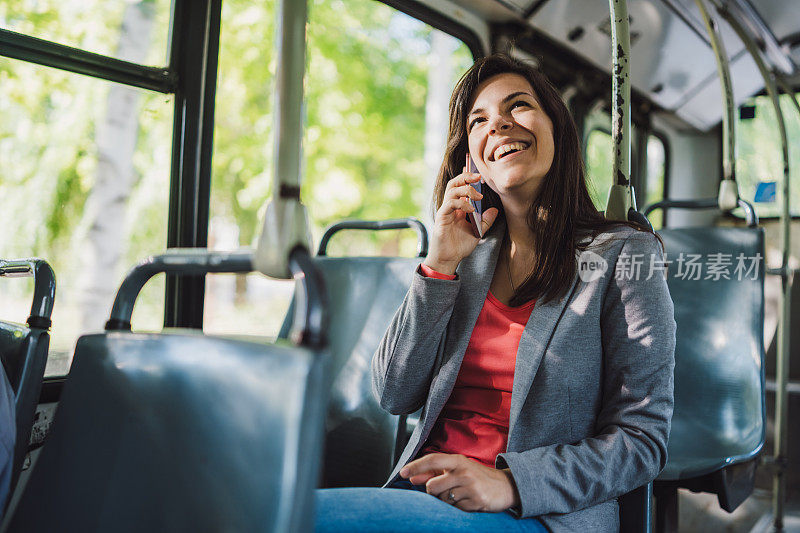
749, 213
311, 317
310, 324
44, 287
704, 203
378, 225
174, 261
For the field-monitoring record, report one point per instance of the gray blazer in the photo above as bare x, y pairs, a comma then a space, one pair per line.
593, 384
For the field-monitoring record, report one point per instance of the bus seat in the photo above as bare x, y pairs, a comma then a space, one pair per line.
361, 438
23, 351
363, 295
181, 431
718, 427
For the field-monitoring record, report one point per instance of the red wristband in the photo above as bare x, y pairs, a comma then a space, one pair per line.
428, 272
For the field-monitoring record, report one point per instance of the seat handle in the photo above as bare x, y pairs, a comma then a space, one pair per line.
44, 287
310, 313
378, 225
750, 215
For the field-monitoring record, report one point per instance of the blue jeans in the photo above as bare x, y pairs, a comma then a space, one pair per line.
367, 509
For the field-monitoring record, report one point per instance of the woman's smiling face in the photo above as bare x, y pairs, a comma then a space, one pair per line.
510, 136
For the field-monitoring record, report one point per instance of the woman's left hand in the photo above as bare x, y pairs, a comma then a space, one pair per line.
474, 486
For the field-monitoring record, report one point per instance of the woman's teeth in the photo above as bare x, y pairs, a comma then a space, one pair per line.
506, 148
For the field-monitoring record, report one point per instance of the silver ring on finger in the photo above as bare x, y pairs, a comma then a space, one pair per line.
451, 498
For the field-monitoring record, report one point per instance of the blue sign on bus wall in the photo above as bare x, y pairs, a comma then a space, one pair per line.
765, 192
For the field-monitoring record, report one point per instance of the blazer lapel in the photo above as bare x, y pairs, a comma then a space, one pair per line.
476, 272
532, 346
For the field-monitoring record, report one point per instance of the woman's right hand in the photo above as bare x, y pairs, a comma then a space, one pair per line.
453, 239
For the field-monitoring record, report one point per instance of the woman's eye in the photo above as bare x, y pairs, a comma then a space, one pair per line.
520, 103
475, 121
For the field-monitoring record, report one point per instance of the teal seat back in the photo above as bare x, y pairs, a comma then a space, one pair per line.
180, 432
363, 293
23, 351
719, 416
24, 355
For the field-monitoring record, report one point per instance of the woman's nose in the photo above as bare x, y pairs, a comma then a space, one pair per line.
499, 123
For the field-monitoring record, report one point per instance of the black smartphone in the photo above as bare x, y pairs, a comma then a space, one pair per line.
475, 217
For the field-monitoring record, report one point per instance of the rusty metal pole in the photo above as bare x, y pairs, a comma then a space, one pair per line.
619, 195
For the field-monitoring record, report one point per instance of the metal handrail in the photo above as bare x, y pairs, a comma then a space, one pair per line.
378, 225
784, 325
44, 287
285, 224
311, 312
756, 26
704, 203
310, 324
728, 191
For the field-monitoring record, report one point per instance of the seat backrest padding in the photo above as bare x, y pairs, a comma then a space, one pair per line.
364, 293
719, 397
168, 432
23, 352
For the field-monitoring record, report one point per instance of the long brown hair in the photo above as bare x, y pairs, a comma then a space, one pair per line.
562, 211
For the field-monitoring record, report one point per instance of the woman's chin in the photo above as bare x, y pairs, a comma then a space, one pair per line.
510, 185
516, 192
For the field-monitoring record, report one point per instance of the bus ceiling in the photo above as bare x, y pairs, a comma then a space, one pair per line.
672, 64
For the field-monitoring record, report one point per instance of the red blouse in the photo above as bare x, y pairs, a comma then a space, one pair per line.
474, 421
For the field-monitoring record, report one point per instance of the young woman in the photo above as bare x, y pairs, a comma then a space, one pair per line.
542, 354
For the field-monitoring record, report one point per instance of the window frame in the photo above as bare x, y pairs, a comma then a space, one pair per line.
50, 54
437, 20
191, 77
661, 136
761, 218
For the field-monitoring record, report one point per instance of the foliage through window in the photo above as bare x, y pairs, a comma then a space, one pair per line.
131, 30
378, 84
759, 157
599, 163
85, 186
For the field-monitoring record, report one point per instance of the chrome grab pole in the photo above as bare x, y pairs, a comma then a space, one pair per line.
782, 357
728, 195
788, 90
44, 286
285, 221
619, 195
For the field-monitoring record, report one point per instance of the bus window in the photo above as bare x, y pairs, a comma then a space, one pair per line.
599, 161
759, 155
135, 31
378, 83
655, 186
599, 154
85, 184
